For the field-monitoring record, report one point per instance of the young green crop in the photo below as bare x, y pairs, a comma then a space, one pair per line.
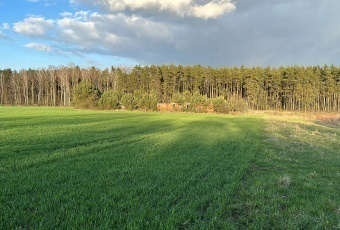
65, 168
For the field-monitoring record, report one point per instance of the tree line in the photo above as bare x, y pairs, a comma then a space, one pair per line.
295, 88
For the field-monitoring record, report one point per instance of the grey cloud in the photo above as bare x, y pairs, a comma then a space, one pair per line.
258, 33
262, 32
115, 35
269, 34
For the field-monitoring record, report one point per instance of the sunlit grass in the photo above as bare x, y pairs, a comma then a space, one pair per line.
65, 168
294, 181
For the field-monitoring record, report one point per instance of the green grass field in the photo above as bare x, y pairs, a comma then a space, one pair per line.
64, 168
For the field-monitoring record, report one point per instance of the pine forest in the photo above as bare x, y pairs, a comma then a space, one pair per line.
195, 88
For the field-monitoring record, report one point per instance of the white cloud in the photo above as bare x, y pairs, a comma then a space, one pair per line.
45, 3
109, 34
5, 26
34, 26
212, 9
66, 14
78, 32
5, 37
48, 4
39, 46
183, 8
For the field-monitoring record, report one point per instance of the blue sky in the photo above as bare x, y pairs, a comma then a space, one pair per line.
40, 33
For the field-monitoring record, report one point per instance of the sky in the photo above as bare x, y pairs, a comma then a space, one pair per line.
104, 33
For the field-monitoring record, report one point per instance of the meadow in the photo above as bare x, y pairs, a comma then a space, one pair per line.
65, 168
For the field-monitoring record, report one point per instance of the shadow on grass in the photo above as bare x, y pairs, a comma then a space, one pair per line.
164, 171
125, 169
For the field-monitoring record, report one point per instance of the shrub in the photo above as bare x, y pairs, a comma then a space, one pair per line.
177, 98
236, 105
241, 106
187, 96
110, 100
198, 102
148, 102
85, 96
129, 101
219, 105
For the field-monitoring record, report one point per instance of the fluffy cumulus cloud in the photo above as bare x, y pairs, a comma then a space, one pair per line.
138, 30
34, 26
39, 46
183, 8
116, 35
212, 9
204, 32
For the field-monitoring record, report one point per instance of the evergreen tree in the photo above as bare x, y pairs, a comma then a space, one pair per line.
110, 100
85, 96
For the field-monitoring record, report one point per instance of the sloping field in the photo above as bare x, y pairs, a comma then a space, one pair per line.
65, 168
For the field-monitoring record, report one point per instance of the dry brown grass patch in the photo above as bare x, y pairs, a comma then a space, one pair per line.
285, 181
